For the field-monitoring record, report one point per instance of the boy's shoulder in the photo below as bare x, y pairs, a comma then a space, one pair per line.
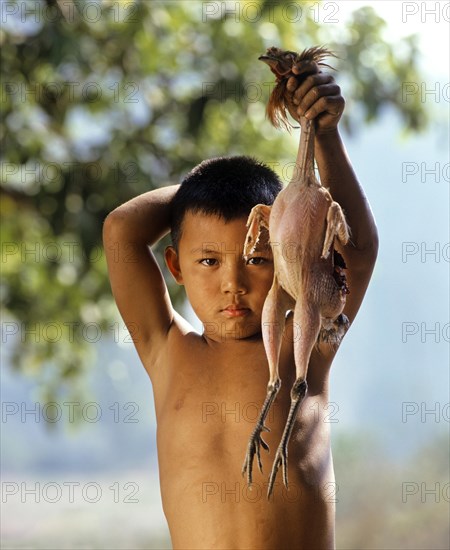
180, 337
185, 357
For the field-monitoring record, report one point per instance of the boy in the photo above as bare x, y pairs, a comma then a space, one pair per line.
207, 388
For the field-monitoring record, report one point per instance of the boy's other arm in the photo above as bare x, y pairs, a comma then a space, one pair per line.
136, 280
360, 252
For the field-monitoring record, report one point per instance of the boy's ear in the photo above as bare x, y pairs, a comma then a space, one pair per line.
173, 263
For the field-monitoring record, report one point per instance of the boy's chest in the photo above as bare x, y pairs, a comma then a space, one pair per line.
208, 411
204, 388
221, 387
212, 403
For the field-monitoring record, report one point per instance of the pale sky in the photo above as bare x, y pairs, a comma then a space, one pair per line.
431, 20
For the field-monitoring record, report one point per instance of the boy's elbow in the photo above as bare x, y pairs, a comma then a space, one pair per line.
368, 253
374, 242
115, 216
108, 223
366, 242
114, 222
371, 248
375, 245
364, 253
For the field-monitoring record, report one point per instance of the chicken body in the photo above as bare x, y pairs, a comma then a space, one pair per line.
303, 223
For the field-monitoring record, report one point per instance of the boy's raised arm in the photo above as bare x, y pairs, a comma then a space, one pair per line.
360, 253
136, 280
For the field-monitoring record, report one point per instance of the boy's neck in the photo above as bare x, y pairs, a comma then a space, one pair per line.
215, 340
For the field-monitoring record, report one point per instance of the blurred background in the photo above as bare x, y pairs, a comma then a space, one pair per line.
103, 100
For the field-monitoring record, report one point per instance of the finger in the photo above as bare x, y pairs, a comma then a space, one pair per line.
316, 93
334, 105
292, 84
305, 67
299, 87
309, 83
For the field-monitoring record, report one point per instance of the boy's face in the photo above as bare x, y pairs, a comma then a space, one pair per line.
226, 292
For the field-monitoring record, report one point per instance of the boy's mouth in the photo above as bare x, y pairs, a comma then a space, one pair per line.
234, 310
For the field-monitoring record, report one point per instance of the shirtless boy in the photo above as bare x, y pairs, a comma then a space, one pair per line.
207, 388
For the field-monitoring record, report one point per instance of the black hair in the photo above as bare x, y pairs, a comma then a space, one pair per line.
228, 187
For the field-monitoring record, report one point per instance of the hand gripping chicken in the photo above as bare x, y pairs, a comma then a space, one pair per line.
303, 223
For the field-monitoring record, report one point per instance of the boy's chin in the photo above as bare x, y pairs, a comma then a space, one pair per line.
228, 330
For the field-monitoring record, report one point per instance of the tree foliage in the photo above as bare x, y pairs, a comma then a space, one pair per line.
102, 104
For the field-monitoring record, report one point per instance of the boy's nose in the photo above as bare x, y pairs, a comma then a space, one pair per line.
234, 281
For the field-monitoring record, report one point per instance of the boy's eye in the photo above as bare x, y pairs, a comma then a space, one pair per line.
257, 260
208, 261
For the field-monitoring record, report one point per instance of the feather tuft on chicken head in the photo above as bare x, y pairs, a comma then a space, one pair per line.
284, 64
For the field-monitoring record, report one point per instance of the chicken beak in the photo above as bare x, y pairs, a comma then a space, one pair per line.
271, 61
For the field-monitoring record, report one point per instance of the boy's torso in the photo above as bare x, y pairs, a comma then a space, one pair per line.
207, 402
